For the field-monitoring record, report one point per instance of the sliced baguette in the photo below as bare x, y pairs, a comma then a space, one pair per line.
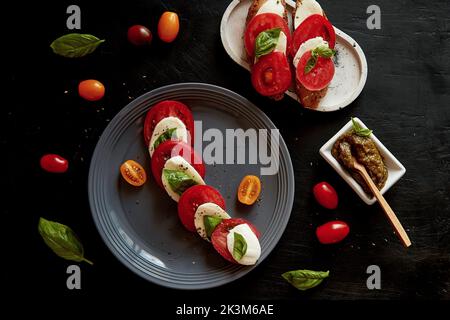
252, 11
309, 99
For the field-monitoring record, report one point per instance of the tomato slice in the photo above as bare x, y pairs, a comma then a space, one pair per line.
319, 77
271, 75
260, 23
171, 148
249, 190
194, 197
326, 195
314, 26
164, 109
219, 236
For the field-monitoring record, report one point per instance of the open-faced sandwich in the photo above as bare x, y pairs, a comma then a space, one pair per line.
312, 48
267, 39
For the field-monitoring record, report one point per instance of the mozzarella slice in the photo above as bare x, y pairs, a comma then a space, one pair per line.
282, 43
305, 9
180, 164
272, 6
253, 247
306, 46
207, 209
164, 125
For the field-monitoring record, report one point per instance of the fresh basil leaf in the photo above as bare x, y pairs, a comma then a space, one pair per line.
321, 51
211, 223
179, 181
75, 45
305, 279
266, 41
167, 135
62, 240
310, 64
324, 51
360, 131
239, 246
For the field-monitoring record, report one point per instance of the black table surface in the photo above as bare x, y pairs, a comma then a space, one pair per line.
406, 100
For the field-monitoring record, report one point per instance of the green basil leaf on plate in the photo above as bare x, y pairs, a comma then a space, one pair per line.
75, 45
239, 246
266, 41
179, 181
166, 135
211, 223
321, 51
62, 240
305, 279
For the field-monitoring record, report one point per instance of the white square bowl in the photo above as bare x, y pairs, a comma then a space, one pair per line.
395, 169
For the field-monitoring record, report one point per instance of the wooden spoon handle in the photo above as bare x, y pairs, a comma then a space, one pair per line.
401, 233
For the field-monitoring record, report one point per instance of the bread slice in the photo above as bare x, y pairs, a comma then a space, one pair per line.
254, 7
309, 99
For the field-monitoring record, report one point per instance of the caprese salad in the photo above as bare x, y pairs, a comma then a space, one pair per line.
179, 170
313, 44
267, 40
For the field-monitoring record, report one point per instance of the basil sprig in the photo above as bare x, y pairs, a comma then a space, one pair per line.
266, 41
321, 51
167, 135
305, 279
211, 223
360, 131
75, 45
62, 240
239, 246
178, 180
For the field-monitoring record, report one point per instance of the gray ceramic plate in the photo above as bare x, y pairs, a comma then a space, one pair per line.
140, 225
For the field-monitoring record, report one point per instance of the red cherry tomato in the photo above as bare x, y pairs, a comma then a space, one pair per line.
139, 35
91, 90
219, 236
168, 26
260, 23
332, 232
319, 77
54, 163
325, 195
192, 198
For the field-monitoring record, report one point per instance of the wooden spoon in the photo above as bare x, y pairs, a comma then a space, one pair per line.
401, 233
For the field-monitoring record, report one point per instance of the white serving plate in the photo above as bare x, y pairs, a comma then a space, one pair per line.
351, 65
395, 169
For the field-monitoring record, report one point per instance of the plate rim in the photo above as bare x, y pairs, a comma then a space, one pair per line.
108, 239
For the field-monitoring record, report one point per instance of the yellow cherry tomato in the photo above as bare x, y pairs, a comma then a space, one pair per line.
249, 190
168, 26
133, 173
91, 90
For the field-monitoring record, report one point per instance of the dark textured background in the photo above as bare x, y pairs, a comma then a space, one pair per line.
406, 101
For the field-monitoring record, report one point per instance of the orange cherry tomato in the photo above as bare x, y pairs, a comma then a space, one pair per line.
133, 173
168, 26
91, 90
249, 190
